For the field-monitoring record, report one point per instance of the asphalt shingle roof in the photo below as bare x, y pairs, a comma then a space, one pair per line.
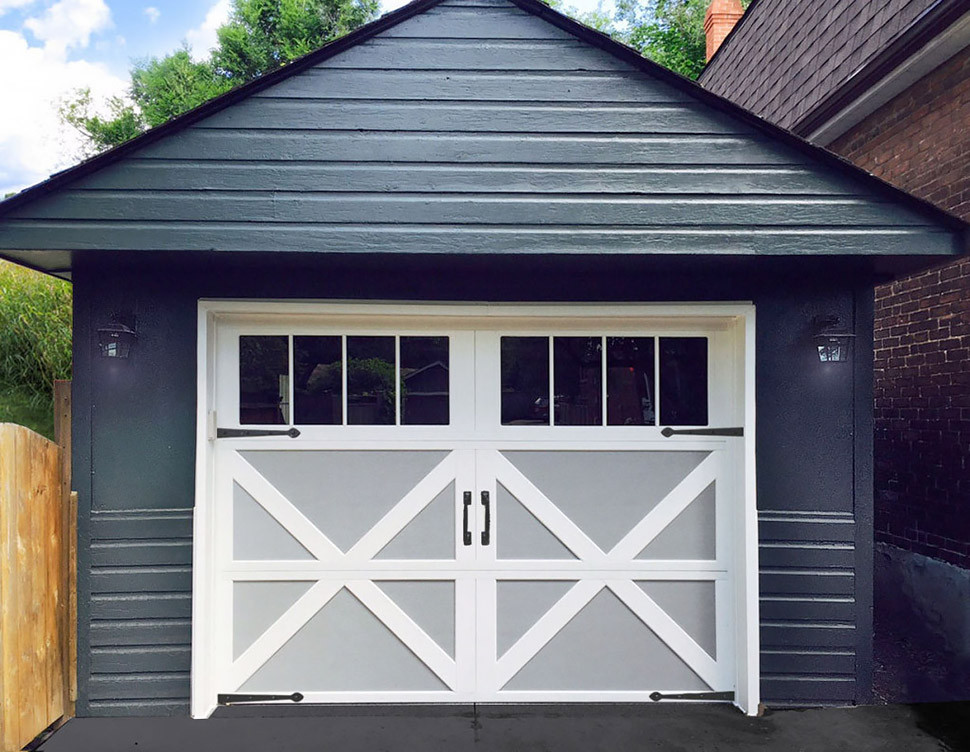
786, 56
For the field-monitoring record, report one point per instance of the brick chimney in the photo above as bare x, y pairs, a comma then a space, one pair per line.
719, 20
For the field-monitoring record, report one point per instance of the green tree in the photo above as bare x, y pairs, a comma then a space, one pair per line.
163, 88
669, 32
121, 122
260, 36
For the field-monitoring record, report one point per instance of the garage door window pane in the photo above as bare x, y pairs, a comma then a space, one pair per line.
525, 381
578, 376
371, 396
630, 393
318, 386
424, 381
264, 380
683, 381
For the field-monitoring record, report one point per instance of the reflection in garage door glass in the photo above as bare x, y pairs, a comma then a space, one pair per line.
318, 385
424, 381
683, 381
525, 381
264, 380
578, 376
630, 399
371, 396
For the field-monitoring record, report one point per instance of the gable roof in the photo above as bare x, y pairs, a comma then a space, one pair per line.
795, 63
942, 221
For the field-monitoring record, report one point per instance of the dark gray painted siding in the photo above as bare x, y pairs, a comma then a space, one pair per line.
135, 431
474, 127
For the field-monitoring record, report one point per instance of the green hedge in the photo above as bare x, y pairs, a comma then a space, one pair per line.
35, 344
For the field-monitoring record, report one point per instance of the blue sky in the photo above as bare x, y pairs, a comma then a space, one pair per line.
49, 48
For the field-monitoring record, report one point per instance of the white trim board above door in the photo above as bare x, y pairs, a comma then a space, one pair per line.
474, 503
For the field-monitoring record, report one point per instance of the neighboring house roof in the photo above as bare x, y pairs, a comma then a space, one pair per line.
801, 63
840, 209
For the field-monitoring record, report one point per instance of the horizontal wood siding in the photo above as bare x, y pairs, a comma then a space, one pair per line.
808, 608
474, 127
140, 609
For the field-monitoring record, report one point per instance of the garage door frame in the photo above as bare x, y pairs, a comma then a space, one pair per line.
740, 317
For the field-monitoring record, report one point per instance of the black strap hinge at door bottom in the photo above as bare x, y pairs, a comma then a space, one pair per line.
658, 696
668, 432
239, 699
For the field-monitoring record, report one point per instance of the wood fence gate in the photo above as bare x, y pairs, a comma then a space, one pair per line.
38, 606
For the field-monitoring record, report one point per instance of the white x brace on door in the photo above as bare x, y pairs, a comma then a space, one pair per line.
437, 533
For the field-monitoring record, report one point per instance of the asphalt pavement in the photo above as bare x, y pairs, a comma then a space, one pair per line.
583, 728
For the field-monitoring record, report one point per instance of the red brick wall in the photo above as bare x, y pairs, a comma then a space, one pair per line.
920, 141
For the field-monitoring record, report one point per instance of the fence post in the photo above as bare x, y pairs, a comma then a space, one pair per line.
68, 582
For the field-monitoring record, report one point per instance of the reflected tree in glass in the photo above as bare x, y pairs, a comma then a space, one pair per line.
371, 394
318, 380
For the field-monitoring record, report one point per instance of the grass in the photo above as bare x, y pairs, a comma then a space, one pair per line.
35, 345
21, 409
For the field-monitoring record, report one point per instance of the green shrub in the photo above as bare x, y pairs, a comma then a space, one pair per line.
35, 342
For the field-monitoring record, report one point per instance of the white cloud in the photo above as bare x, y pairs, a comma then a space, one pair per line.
69, 23
203, 38
33, 142
153, 13
6, 5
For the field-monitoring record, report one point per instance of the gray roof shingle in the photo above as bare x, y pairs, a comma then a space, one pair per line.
787, 56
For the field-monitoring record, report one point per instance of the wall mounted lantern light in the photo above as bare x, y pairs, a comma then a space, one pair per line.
830, 340
116, 339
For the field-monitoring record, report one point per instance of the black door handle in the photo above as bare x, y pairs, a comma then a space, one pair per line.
486, 533
467, 502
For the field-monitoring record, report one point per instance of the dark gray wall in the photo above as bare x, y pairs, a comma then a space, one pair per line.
134, 430
474, 127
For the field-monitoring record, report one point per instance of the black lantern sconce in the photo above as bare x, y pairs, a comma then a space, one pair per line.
831, 341
116, 339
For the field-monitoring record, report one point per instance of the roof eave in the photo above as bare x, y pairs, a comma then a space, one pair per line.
930, 24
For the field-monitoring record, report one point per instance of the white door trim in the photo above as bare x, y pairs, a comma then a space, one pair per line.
209, 598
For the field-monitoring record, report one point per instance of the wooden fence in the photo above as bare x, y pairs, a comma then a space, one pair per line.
38, 540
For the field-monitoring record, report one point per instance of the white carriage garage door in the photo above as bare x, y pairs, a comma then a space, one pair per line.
473, 505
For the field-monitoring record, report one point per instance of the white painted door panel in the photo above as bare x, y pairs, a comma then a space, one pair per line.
342, 568
606, 581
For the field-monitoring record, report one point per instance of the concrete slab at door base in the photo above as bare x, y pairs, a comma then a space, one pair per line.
502, 727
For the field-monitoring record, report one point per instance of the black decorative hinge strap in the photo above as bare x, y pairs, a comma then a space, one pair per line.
708, 696
239, 699
668, 432
237, 433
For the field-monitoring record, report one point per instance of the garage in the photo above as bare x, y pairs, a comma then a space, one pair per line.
426, 369
438, 534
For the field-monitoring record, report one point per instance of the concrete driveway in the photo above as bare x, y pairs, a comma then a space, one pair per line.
562, 729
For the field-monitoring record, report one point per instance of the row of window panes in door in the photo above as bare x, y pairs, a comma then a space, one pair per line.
405, 380
343, 380
574, 370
